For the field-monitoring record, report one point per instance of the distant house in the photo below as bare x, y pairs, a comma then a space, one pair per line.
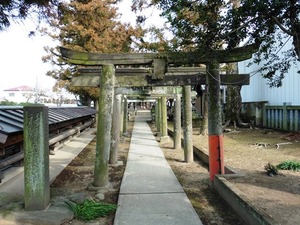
19, 94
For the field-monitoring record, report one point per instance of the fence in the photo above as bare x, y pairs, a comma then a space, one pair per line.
284, 117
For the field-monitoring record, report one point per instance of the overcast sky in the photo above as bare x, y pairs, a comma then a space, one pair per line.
20, 58
20, 55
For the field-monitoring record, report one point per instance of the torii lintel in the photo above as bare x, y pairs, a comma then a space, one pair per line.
177, 58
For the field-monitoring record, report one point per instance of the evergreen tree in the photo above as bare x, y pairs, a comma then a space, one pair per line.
18, 10
92, 26
207, 25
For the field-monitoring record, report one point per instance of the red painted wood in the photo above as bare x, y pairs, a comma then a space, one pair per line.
216, 155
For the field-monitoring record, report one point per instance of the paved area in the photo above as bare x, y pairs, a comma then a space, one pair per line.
13, 181
150, 193
12, 188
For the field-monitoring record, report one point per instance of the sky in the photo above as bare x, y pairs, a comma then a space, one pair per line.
20, 55
20, 58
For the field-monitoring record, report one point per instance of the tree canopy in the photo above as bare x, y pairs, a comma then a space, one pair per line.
90, 26
18, 10
207, 25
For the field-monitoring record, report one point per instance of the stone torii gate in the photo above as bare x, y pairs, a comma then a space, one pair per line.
160, 64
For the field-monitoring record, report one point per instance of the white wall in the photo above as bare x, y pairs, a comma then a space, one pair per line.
259, 90
19, 96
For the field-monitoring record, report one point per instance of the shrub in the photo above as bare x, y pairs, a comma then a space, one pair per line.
289, 165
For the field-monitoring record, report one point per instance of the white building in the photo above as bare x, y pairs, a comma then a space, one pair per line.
259, 90
19, 94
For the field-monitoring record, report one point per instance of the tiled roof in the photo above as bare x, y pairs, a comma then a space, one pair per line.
20, 88
11, 117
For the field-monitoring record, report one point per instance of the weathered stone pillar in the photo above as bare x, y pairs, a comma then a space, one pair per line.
36, 157
187, 124
159, 126
156, 115
122, 115
164, 120
116, 130
104, 125
125, 115
177, 122
215, 135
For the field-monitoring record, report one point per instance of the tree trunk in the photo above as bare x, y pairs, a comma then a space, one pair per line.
234, 100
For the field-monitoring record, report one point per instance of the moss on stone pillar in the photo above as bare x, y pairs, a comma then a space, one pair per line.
36, 157
116, 125
177, 122
187, 124
104, 125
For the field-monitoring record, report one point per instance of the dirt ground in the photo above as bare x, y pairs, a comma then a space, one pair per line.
279, 196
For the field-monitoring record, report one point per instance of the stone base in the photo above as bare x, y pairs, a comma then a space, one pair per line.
164, 139
119, 163
91, 187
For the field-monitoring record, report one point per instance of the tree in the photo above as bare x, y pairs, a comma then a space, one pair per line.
89, 25
224, 24
18, 10
214, 24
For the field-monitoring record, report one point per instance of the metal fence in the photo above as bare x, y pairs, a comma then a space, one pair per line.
286, 117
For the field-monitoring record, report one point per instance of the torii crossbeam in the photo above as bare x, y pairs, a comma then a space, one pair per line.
161, 64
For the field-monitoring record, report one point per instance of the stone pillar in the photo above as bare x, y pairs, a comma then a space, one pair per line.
187, 124
122, 115
125, 115
164, 120
215, 135
156, 115
104, 125
159, 127
36, 157
177, 122
116, 128
96, 106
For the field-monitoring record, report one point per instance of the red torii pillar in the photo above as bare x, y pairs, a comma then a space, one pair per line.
215, 134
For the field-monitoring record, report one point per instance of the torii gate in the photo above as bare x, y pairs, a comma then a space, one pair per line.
162, 63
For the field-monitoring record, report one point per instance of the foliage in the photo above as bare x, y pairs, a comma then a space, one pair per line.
90, 210
9, 103
286, 165
207, 25
16, 10
91, 26
289, 165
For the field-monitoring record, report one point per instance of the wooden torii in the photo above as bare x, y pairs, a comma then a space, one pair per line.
165, 69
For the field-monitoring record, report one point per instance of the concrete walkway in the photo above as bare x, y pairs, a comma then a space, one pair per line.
14, 179
150, 193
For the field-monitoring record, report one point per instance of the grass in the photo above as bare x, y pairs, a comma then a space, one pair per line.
289, 165
90, 210
285, 165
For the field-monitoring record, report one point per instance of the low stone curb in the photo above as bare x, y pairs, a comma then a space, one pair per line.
241, 204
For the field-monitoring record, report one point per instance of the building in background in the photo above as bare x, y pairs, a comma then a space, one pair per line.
271, 106
18, 94
26, 94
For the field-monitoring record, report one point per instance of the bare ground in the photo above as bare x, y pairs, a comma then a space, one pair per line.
248, 151
279, 196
